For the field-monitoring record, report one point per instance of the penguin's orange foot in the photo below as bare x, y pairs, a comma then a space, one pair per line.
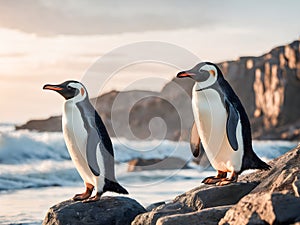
211, 180
225, 181
94, 198
86, 194
83, 196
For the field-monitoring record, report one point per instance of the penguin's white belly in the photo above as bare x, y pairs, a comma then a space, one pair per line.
76, 138
210, 118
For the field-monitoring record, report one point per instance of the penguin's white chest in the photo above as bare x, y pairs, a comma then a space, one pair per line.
210, 118
75, 137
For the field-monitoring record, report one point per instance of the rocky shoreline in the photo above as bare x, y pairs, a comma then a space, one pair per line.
261, 197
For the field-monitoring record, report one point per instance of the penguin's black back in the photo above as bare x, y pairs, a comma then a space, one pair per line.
92, 120
103, 134
250, 159
88, 111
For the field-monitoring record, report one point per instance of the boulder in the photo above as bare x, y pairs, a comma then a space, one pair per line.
107, 211
262, 208
210, 216
276, 199
205, 196
261, 197
285, 170
169, 163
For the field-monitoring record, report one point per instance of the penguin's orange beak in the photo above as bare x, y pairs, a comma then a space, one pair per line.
52, 87
184, 74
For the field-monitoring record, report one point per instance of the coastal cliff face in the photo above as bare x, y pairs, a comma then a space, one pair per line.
267, 85
269, 88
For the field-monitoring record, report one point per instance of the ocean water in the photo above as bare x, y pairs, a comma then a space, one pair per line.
36, 171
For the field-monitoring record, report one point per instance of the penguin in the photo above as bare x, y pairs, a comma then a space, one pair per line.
221, 126
88, 142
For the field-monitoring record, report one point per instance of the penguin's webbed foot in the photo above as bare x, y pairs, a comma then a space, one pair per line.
80, 197
225, 181
94, 198
213, 180
88, 192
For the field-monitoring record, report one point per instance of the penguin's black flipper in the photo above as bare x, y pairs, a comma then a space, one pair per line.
231, 125
92, 145
195, 141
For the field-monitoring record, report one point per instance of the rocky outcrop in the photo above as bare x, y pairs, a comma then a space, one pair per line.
274, 77
52, 124
262, 197
202, 197
267, 85
108, 211
276, 199
169, 163
210, 216
264, 208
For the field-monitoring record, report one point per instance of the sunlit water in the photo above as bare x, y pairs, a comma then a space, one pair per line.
36, 172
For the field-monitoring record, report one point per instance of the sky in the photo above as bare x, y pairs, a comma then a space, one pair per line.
45, 41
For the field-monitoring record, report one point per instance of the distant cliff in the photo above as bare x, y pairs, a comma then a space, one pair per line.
268, 86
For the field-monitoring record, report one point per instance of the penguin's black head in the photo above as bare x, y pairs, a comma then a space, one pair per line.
202, 72
68, 89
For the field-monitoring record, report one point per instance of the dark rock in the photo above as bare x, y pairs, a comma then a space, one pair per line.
107, 211
169, 163
199, 198
210, 216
